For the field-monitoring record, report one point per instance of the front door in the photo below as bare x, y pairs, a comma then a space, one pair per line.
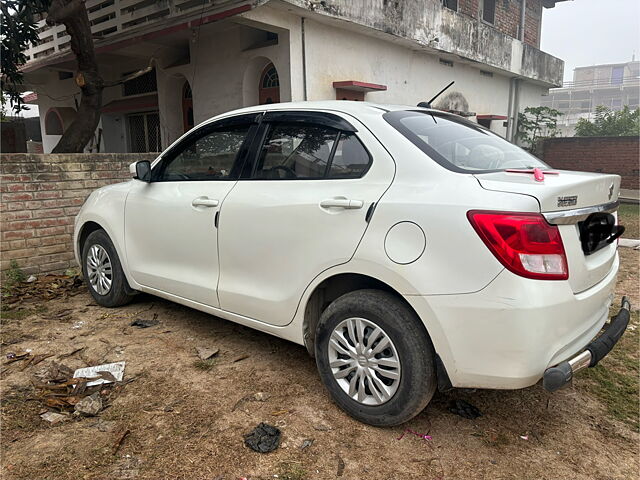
170, 224
301, 211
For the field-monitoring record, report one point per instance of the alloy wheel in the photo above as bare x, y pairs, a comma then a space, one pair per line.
99, 269
364, 361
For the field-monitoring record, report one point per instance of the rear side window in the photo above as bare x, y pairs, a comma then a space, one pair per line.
459, 144
305, 151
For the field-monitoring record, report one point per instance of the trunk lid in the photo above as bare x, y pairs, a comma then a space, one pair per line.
564, 192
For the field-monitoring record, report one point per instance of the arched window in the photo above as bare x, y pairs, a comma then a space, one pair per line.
53, 123
270, 77
269, 87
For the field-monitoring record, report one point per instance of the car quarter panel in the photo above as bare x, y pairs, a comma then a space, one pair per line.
455, 260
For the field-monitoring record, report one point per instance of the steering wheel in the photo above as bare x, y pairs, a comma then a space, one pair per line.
289, 173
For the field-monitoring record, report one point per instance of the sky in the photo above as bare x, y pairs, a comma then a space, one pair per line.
591, 32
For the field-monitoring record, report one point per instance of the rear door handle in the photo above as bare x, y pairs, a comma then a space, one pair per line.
204, 202
341, 203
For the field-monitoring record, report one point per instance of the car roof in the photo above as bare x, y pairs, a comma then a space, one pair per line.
344, 106
354, 108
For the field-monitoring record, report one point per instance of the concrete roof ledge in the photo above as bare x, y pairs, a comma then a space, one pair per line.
432, 27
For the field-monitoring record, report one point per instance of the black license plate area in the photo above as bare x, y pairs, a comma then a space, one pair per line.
597, 231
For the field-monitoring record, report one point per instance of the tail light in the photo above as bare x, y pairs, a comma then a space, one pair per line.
523, 242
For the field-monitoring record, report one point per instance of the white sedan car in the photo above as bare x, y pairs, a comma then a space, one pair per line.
408, 249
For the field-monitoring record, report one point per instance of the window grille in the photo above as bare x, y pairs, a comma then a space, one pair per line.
144, 132
143, 84
270, 79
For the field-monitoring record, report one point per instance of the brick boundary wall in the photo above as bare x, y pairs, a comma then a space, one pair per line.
40, 195
619, 155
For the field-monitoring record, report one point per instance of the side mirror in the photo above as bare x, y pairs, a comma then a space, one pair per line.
141, 170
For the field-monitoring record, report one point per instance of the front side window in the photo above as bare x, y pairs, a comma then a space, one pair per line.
458, 144
295, 151
205, 157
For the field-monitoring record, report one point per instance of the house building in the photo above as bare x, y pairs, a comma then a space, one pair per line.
612, 86
211, 56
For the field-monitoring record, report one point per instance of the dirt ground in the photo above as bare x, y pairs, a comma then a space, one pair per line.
186, 419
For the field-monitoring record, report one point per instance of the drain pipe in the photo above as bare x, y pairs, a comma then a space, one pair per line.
516, 109
513, 109
523, 15
304, 62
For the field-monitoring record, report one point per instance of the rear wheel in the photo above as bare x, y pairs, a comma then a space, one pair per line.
375, 357
103, 272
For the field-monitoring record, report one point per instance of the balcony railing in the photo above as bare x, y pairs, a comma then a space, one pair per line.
606, 82
113, 17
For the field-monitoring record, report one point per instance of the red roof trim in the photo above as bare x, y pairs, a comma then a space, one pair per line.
491, 117
30, 98
359, 86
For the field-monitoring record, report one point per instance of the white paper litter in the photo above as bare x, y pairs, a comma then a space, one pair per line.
115, 369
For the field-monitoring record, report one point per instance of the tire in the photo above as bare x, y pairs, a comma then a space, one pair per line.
409, 345
118, 292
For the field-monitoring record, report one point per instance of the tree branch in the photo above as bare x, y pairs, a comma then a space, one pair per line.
137, 74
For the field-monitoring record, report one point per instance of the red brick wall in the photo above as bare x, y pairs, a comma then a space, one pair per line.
532, 23
468, 7
39, 198
618, 155
508, 17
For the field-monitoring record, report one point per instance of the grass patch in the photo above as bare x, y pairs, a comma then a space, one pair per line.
291, 471
17, 314
205, 365
12, 277
629, 216
616, 380
9, 313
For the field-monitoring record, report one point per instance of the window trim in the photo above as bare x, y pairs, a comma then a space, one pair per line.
195, 134
323, 119
394, 119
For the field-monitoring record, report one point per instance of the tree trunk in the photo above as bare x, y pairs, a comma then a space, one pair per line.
73, 14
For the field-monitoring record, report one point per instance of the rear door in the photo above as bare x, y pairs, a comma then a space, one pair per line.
566, 199
170, 233
301, 210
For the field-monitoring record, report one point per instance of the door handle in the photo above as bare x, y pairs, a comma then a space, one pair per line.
341, 203
204, 202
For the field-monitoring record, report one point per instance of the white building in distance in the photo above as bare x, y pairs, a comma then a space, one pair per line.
613, 86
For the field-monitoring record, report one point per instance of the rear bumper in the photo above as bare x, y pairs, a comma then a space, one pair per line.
557, 377
508, 334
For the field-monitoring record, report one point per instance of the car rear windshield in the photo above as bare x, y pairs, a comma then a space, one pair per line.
458, 144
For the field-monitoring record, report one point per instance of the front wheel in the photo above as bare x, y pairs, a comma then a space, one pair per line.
102, 271
375, 357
